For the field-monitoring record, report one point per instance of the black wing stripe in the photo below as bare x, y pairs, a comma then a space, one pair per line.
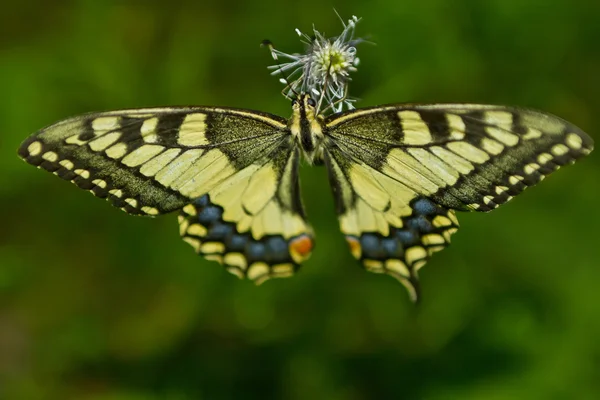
139, 159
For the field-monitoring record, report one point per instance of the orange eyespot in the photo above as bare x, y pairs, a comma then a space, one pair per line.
300, 248
355, 247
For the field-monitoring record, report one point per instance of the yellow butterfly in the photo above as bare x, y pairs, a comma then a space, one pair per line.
398, 173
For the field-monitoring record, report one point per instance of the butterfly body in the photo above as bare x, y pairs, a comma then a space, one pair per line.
397, 172
307, 128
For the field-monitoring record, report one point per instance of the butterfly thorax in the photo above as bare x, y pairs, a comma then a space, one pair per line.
306, 127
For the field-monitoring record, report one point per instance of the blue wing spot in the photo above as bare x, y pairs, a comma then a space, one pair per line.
424, 206
219, 232
210, 215
256, 251
392, 247
407, 237
236, 243
271, 249
420, 223
202, 201
277, 249
371, 245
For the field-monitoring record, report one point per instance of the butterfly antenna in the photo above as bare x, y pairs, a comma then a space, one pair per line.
289, 87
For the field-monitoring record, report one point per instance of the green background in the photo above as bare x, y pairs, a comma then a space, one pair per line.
96, 304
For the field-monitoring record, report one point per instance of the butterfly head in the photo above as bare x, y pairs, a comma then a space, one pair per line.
306, 126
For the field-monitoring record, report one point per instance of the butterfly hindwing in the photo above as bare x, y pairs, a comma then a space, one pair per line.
253, 222
398, 172
153, 161
388, 226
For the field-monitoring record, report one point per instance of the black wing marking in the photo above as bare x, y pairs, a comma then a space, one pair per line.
397, 173
153, 161
465, 157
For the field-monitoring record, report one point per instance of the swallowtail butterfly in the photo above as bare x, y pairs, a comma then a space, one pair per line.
398, 174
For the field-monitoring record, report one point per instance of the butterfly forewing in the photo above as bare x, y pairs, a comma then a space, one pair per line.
398, 172
153, 161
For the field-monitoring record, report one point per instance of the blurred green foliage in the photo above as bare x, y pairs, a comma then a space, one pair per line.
98, 305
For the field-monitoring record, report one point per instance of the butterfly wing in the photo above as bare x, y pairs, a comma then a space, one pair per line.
154, 161
233, 172
399, 171
253, 222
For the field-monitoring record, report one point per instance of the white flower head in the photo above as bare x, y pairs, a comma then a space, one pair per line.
323, 70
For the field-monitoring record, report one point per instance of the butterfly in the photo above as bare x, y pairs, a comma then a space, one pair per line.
398, 174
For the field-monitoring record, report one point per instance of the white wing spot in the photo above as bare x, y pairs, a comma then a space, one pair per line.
560, 149
132, 202
142, 154
67, 164
104, 141
415, 130
84, 173
491, 146
503, 136
531, 168
75, 140
574, 141
456, 125
469, 152
544, 158
197, 230
148, 130
415, 253
189, 210
433, 239
116, 151
103, 124
192, 130
34, 148
283, 270
532, 133
398, 267
374, 266
440, 221
257, 270
488, 199
458, 163
50, 156
236, 260
501, 189
150, 210
116, 192
154, 165
100, 183
514, 179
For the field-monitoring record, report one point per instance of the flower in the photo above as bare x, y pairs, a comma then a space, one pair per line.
323, 70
